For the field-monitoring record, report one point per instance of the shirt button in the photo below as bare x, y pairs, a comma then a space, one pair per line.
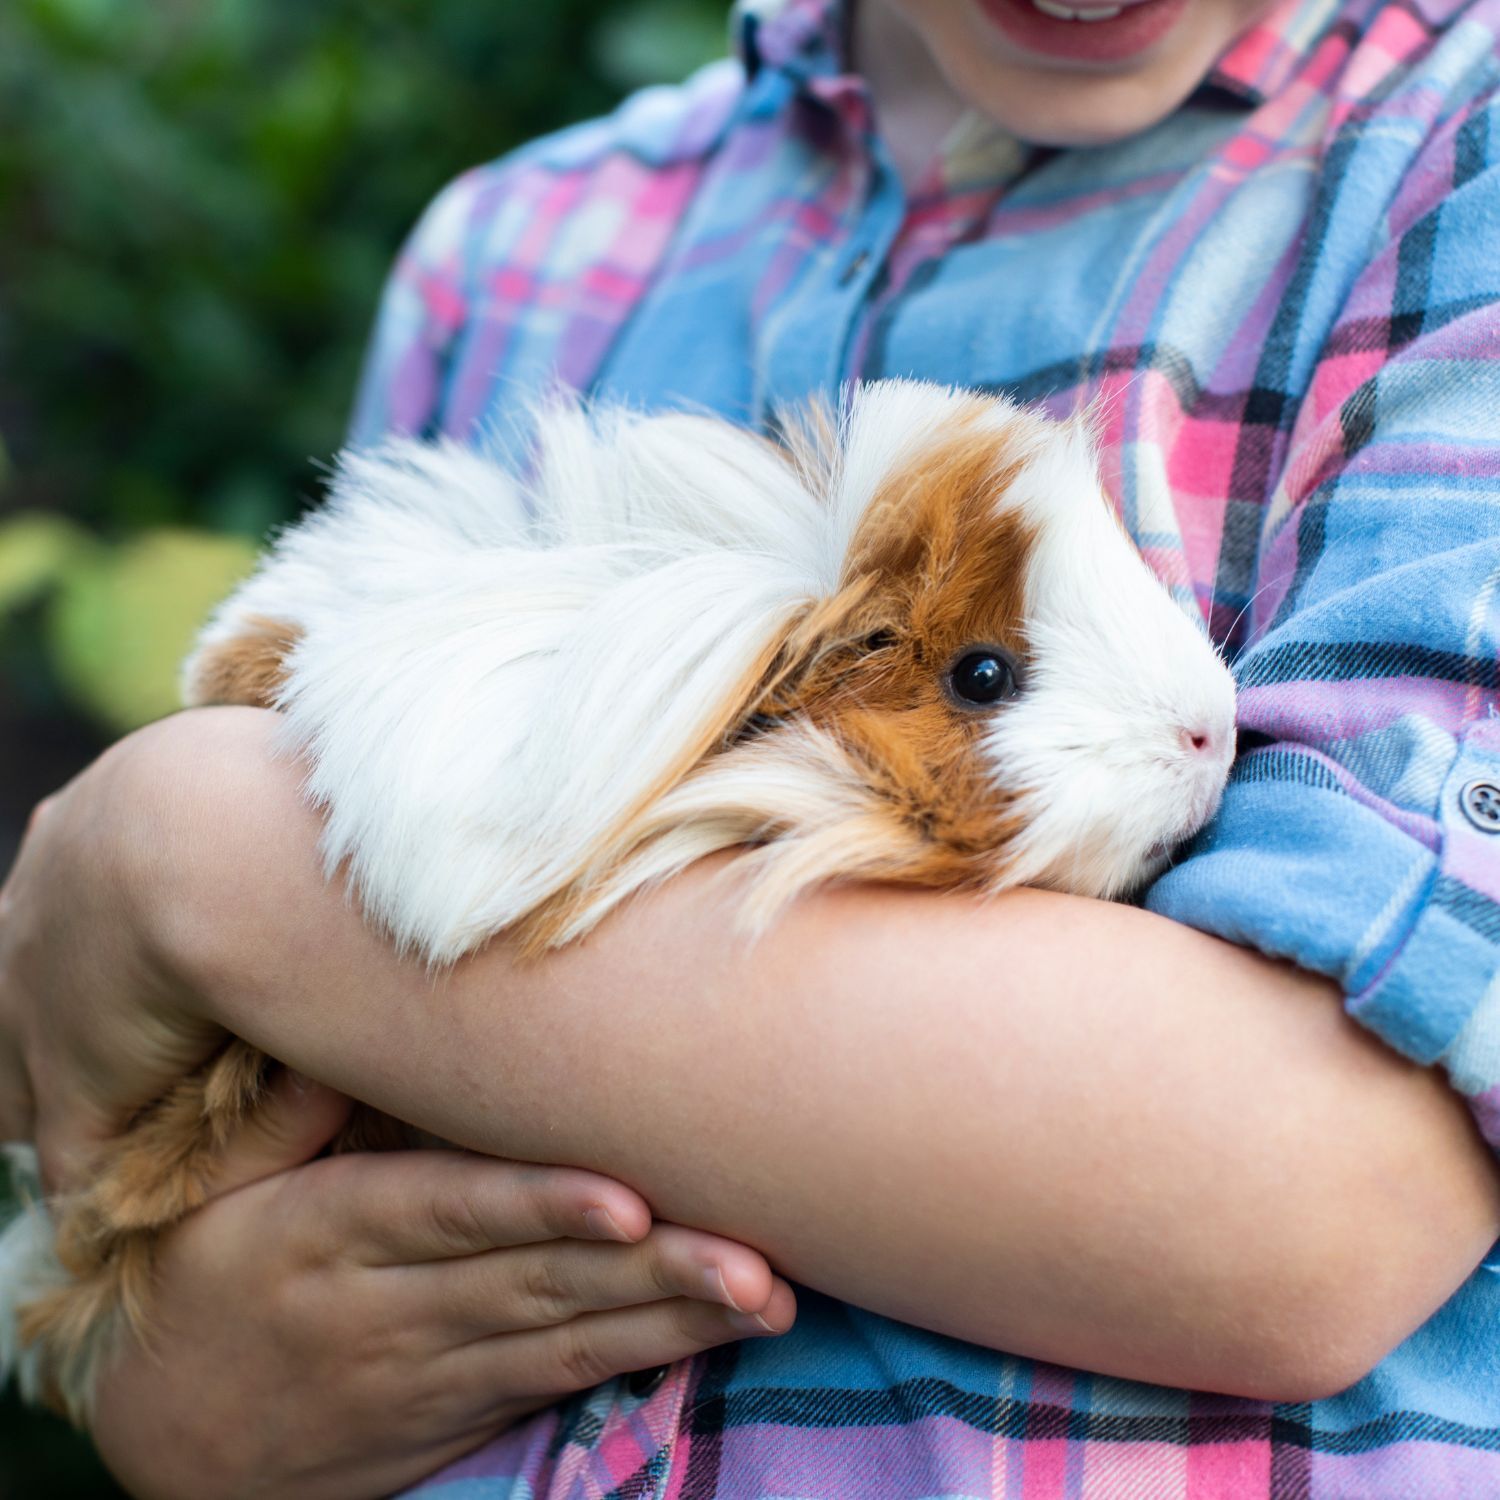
1480, 801
642, 1383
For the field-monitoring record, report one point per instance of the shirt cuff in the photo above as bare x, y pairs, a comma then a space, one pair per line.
1401, 908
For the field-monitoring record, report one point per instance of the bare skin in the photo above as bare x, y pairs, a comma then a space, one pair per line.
1010, 1122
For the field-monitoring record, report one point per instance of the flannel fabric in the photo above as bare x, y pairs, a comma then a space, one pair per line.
1284, 301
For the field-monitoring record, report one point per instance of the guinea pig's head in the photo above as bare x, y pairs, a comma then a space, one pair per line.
997, 663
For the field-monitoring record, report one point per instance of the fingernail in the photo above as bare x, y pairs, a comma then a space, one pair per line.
718, 1289
602, 1225
750, 1324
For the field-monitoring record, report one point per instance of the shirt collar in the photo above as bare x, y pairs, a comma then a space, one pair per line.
804, 37
807, 38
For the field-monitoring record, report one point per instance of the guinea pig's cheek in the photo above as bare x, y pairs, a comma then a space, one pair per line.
1086, 818
1032, 775
1009, 754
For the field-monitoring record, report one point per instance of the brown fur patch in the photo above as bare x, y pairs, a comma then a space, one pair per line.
157, 1172
250, 668
935, 567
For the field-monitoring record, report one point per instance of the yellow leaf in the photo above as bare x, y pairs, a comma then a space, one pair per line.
121, 622
35, 548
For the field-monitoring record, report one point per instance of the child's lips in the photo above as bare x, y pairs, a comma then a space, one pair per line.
1136, 27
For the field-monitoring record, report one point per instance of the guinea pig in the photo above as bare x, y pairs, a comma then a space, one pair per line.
908, 643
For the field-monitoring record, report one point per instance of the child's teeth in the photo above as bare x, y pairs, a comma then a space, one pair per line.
1076, 13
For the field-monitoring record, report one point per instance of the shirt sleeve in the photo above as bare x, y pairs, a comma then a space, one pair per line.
1360, 832
521, 273
422, 310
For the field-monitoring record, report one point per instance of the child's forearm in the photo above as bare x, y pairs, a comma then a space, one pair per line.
1061, 1127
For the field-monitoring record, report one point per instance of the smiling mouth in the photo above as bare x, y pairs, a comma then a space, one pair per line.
1099, 34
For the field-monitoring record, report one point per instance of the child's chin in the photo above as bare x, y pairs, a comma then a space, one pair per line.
1086, 110
1067, 103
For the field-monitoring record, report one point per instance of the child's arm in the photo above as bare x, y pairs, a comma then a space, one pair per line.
1066, 1128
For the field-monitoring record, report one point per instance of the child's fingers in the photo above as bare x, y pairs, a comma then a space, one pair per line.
295, 1120
574, 1356
535, 1286
402, 1208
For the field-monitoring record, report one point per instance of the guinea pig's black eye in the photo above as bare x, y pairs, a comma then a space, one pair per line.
982, 677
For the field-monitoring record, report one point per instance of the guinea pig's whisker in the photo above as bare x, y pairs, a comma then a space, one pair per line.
1249, 603
1103, 401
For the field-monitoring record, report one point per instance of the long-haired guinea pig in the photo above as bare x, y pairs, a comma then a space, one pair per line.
910, 644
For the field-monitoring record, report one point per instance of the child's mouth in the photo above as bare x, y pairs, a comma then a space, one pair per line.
1093, 32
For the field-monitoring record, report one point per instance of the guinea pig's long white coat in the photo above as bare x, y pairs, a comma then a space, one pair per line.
508, 689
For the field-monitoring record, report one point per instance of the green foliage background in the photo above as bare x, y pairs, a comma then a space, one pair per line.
198, 202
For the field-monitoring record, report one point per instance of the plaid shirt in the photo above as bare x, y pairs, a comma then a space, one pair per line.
1286, 301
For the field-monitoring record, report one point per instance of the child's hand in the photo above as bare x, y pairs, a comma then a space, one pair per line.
344, 1328
92, 1026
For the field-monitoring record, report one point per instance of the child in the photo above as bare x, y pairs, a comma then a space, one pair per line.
1264, 241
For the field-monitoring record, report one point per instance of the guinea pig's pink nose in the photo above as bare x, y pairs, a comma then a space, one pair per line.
1198, 739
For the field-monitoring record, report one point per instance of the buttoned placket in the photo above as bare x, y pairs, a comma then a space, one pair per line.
818, 342
806, 347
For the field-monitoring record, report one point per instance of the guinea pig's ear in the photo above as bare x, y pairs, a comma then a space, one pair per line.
248, 667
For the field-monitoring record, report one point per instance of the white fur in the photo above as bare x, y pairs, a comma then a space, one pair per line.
481, 693
493, 672
1117, 673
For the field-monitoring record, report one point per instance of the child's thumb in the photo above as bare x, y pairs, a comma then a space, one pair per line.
294, 1120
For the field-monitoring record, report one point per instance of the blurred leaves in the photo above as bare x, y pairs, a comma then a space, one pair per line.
124, 618
114, 622
200, 199
35, 551
655, 39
